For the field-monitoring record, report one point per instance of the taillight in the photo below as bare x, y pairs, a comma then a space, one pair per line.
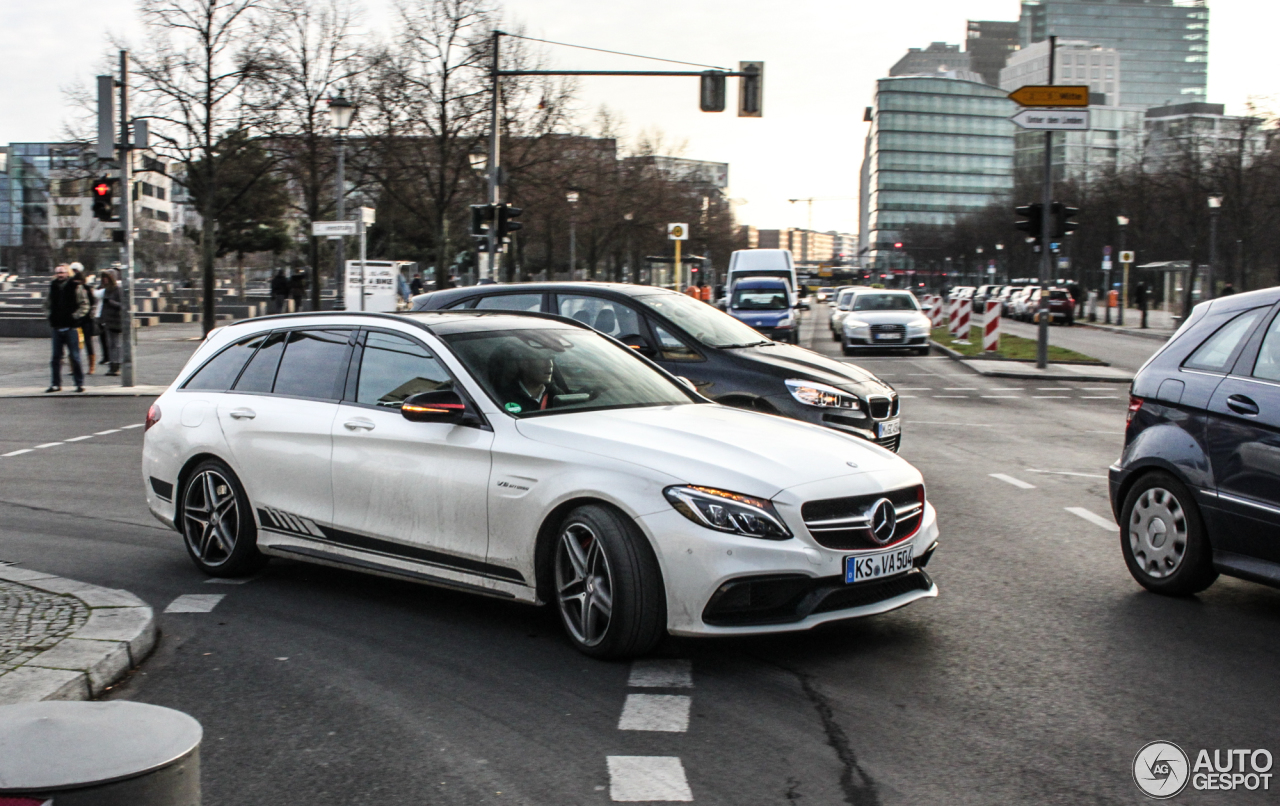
153, 416
1135, 406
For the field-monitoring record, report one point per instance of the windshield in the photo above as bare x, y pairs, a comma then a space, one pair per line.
885, 302
539, 371
709, 326
760, 299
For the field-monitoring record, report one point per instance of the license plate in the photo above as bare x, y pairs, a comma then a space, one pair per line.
877, 566
889, 428
889, 336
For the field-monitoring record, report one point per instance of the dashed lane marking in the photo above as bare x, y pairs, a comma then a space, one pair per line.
674, 673
1098, 397
1054, 389
135, 425
656, 712
1000, 397
18, 452
966, 425
960, 389
108, 431
1019, 483
226, 581
950, 397
1091, 517
1050, 397
195, 603
77, 439
80, 438
48, 445
635, 779
1067, 473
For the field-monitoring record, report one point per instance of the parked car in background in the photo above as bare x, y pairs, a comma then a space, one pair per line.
1024, 302
824, 294
961, 292
766, 305
880, 318
724, 359
1006, 296
981, 295
839, 310
1062, 307
1196, 490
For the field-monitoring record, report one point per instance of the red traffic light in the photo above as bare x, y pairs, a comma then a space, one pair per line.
898, 245
102, 189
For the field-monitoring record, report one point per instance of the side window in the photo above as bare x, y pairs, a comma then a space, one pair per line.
260, 375
394, 367
1216, 351
220, 372
511, 302
605, 315
312, 363
465, 305
1267, 366
671, 348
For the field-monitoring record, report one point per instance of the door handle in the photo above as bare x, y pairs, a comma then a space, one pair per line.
243, 414
358, 425
1242, 405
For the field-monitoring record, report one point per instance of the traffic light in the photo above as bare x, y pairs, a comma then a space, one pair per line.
711, 98
897, 244
506, 220
1062, 215
751, 90
1034, 223
104, 208
481, 220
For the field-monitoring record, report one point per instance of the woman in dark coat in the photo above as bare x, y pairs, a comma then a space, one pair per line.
112, 317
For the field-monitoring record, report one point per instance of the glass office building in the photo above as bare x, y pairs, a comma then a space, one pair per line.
1164, 44
938, 148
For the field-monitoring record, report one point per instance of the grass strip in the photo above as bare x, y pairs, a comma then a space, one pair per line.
1013, 347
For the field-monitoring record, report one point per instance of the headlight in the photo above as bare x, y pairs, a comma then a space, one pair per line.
819, 394
787, 322
920, 326
855, 324
728, 512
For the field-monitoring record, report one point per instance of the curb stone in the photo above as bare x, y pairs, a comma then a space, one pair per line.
1009, 371
119, 633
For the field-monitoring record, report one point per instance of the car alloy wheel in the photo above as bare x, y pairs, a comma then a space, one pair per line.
1158, 532
211, 518
584, 584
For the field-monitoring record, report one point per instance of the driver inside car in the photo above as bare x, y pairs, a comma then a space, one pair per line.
523, 380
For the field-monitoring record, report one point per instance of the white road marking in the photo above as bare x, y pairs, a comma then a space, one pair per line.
1098, 397
1054, 389
1050, 397
915, 389
1007, 389
657, 712
1067, 473
195, 603
904, 397
18, 452
48, 445
1000, 397
960, 389
967, 425
950, 397
226, 581
647, 778
1095, 519
674, 673
135, 425
108, 431
77, 439
1019, 483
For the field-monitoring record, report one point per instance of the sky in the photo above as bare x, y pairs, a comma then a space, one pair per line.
821, 57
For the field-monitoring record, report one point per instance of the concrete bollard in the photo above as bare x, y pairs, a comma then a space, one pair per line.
99, 754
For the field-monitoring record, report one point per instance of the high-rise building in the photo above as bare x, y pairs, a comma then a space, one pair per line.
937, 148
1164, 43
1113, 142
989, 44
939, 57
1200, 131
1078, 62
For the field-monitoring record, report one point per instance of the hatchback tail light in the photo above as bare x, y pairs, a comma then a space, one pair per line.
153, 416
1135, 406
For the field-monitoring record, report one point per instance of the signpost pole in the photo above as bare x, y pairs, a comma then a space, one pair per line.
128, 344
1046, 225
677, 273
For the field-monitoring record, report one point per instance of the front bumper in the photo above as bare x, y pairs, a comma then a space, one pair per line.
885, 344
701, 565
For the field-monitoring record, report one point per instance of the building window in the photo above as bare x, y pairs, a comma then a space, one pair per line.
67, 210
159, 192
161, 215
66, 234
1096, 73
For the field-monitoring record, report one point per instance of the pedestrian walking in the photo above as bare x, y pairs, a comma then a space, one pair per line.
112, 318
65, 305
417, 285
279, 291
96, 304
86, 324
298, 289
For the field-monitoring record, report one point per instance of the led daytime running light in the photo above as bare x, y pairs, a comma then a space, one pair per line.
822, 396
728, 512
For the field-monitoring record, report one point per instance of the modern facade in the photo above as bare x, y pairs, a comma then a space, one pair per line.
937, 149
1200, 130
1164, 43
939, 57
989, 44
1114, 142
1078, 62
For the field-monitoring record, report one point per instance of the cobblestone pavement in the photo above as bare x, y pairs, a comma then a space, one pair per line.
32, 621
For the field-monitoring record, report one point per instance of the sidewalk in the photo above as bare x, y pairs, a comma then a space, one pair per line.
1160, 323
162, 352
1053, 372
67, 640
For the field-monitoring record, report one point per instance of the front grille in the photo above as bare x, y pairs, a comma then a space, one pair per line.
789, 598
879, 406
895, 331
845, 523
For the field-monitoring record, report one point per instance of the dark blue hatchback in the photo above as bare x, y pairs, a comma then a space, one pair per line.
1197, 489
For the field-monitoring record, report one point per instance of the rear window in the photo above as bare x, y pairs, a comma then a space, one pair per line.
1215, 353
1058, 295
221, 371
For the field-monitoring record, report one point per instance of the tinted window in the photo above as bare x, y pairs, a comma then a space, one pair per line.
1268, 364
511, 302
312, 362
671, 348
1216, 351
605, 315
261, 372
707, 325
885, 302
760, 299
393, 368
220, 372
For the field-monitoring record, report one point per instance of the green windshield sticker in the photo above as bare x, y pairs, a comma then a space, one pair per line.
514, 408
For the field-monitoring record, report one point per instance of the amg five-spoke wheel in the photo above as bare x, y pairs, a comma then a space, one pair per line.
1163, 537
216, 522
584, 585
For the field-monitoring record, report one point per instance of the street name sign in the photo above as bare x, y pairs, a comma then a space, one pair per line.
333, 228
1053, 120
1051, 96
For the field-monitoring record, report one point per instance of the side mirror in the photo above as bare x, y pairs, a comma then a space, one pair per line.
638, 344
687, 383
443, 406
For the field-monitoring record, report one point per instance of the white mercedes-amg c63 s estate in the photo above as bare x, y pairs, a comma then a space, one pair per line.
530, 458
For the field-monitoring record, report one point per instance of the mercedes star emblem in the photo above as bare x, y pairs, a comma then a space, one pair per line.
884, 521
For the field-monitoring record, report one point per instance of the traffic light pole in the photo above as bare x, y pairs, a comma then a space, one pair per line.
1046, 225
127, 344
495, 163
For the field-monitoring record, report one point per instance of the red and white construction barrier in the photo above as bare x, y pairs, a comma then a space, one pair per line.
938, 313
960, 320
991, 327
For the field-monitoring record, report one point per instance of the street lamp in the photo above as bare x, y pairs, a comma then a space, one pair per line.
341, 111
1122, 221
632, 273
999, 262
1215, 208
572, 198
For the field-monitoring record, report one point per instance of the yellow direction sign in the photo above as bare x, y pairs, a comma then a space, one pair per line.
1051, 96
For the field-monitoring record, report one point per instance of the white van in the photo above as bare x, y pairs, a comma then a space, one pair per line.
754, 263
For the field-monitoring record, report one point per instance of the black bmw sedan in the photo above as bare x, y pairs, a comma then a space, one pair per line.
725, 359
1197, 488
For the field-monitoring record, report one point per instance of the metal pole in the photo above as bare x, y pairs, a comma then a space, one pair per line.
363, 278
1213, 253
677, 266
495, 161
128, 345
1046, 231
1124, 282
340, 190
573, 241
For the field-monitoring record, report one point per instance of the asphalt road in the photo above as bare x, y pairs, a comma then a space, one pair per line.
1034, 678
